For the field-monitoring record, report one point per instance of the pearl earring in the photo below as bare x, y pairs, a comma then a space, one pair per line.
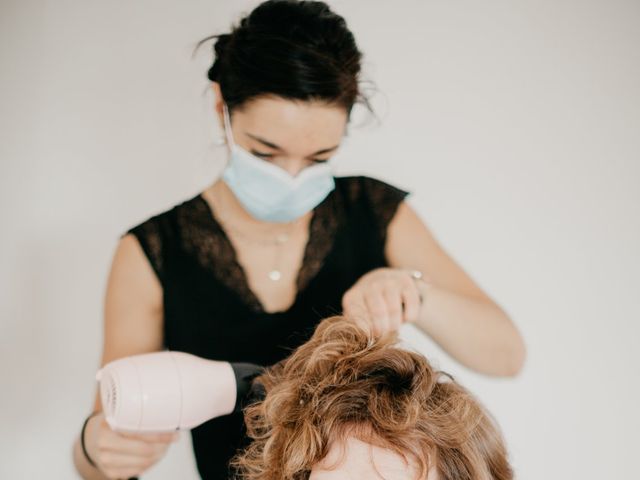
219, 140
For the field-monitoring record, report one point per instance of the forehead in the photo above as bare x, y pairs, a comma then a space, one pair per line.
291, 123
354, 459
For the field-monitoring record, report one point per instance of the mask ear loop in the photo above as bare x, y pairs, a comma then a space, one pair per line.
227, 126
228, 134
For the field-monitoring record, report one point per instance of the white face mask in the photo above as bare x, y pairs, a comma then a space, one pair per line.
267, 191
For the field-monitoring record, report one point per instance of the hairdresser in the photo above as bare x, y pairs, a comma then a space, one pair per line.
244, 270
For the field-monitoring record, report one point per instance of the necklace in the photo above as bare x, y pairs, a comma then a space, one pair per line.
277, 240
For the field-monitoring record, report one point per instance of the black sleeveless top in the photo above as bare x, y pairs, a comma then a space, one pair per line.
210, 311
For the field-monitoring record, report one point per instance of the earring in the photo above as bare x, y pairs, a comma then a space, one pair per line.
219, 140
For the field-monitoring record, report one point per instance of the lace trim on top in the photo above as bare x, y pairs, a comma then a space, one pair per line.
149, 235
205, 238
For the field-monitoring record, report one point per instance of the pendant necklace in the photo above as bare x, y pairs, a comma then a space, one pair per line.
277, 241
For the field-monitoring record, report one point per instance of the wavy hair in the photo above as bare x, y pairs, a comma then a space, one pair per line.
343, 381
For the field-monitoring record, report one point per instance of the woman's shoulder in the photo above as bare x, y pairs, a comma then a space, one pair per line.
157, 231
377, 200
161, 221
375, 193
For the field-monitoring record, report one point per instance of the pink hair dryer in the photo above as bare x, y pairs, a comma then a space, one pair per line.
165, 391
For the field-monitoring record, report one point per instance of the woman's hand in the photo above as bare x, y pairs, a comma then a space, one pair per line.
383, 299
124, 455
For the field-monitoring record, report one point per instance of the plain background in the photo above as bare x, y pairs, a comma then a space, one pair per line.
515, 125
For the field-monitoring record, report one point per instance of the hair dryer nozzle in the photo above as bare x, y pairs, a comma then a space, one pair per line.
164, 391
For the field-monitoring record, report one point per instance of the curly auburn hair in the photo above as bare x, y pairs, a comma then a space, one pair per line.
343, 381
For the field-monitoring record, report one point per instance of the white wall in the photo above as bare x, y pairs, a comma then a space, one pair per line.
515, 123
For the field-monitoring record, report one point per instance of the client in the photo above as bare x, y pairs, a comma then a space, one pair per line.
347, 406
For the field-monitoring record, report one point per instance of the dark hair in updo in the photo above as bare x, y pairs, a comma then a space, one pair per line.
297, 50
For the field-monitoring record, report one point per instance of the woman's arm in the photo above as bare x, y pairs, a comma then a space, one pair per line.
456, 313
132, 321
83, 467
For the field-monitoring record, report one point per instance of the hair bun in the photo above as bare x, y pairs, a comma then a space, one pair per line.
221, 43
219, 49
297, 50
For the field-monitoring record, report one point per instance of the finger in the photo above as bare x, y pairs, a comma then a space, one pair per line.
355, 310
377, 307
393, 299
125, 460
120, 444
353, 304
161, 437
359, 313
411, 301
122, 473
110, 459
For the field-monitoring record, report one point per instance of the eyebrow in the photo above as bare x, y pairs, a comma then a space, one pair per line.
276, 147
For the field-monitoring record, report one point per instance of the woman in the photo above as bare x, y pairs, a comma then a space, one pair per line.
345, 404
246, 269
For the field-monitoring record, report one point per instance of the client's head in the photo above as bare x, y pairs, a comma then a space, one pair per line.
345, 405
